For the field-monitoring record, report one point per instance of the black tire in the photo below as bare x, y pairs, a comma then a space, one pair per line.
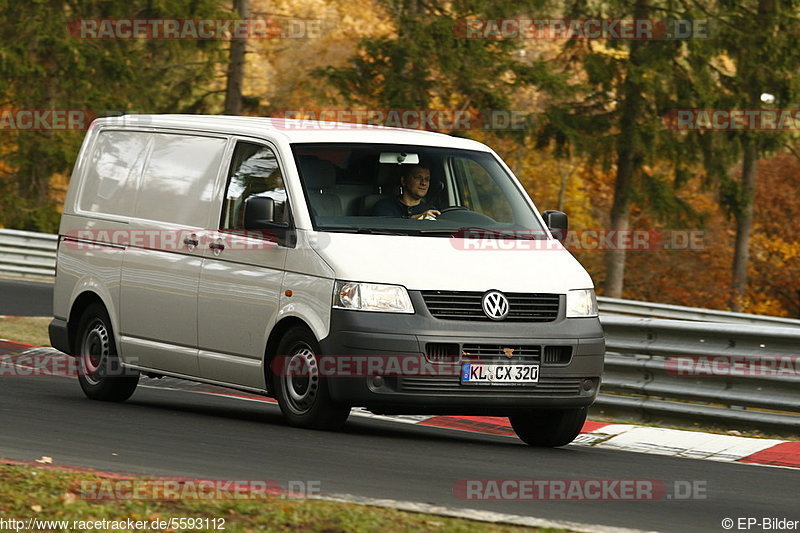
304, 399
100, 373
549, 427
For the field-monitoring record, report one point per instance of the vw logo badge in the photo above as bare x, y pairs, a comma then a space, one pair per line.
495, 305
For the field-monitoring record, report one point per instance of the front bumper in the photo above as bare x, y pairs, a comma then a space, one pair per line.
573, 382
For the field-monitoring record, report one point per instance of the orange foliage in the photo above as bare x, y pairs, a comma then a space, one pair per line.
697, 276
774, 274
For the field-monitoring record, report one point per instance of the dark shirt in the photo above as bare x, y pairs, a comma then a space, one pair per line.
393, 207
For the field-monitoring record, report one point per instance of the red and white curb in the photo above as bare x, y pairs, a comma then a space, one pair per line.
660, 441
623, 437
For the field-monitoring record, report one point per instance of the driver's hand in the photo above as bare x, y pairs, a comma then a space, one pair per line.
430, 214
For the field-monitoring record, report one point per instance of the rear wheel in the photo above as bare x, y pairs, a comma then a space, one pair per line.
100, 374
549, 427
301, 391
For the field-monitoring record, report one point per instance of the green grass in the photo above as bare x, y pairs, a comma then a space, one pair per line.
52, 494
30, 330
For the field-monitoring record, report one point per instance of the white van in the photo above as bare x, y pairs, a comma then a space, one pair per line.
327, 265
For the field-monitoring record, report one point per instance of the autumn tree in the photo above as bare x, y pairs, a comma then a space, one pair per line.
46, 65
429, 62
614, 114
774, 286
235, 78
754, 66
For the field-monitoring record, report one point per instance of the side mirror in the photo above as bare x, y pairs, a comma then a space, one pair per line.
259, 213
557, 223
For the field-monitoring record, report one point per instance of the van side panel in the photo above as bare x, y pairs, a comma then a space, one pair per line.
310, 279
86, 267
62, 291
161, 269
93, 214
237, 305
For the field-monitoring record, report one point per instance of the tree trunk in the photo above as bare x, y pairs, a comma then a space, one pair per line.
562, 189
744, 225
233, 91
620, 212
627, 161
744, 209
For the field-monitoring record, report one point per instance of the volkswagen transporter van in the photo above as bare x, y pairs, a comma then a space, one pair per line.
327, 265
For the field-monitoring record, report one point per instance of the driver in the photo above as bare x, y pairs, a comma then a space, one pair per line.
415, 181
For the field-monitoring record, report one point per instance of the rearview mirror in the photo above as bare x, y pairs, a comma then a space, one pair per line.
557, 224
259, 212
399, 158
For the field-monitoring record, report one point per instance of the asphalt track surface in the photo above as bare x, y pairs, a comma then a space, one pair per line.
26, 298
170, 432
188, 434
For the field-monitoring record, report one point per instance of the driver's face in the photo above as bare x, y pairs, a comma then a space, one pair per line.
417, 182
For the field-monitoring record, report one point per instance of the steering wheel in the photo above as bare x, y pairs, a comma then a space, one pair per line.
453, 208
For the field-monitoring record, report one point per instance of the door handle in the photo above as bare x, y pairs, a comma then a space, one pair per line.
217, 246
190, 241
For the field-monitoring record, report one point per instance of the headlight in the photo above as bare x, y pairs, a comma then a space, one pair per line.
581, 303
371, 297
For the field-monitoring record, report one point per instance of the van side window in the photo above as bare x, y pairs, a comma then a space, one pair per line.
113, 172
254, 172
177, 185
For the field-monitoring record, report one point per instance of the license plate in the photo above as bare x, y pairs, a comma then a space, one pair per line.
491, 374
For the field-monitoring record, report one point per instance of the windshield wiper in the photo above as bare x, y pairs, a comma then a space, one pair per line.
468, 233
448, 232
484, 233
366, 231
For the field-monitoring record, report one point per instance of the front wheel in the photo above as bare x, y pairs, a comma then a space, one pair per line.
301, 391
100, 373
549, 427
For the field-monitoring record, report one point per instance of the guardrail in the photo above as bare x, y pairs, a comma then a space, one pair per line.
618, 306
27, 254
733, 375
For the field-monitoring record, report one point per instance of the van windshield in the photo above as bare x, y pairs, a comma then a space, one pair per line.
411, 190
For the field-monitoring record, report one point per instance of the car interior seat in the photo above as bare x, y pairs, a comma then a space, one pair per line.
320, 179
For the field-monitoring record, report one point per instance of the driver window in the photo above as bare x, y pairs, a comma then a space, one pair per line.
254, 172
480, 192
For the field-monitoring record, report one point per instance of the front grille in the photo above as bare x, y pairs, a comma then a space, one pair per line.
442, 352
499, 353
523, 307
557, 355
452, 385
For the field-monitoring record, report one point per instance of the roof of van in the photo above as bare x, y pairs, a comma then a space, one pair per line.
295, 131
